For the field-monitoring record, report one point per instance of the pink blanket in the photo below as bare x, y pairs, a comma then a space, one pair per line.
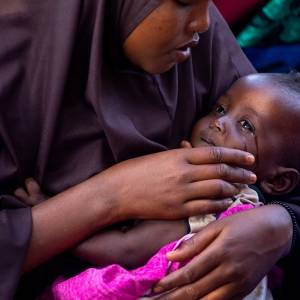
117, 283
114, 282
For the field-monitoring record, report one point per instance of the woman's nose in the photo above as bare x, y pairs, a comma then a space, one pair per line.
199, 20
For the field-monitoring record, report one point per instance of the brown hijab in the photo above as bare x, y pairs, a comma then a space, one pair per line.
71, 105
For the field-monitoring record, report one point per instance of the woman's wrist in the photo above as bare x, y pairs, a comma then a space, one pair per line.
291, 224
104, 201
283, 225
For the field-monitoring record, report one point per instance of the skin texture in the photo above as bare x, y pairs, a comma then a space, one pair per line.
246, 117
230, 256
240, 119
115, 246
121, 193
152, 45
132, 248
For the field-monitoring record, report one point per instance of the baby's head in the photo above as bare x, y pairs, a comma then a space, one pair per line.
260, 114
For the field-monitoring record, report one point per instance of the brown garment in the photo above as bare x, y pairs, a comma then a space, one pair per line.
71, 105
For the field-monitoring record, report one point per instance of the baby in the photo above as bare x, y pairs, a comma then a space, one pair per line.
259, 114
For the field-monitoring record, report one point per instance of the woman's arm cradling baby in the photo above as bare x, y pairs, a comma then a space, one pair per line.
130, 248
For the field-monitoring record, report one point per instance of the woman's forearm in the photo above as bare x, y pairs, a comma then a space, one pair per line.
284, 226
165, 185
68, 218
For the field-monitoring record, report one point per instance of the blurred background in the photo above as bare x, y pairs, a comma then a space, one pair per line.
267, 30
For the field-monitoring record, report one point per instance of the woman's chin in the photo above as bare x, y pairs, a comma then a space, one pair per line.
159, 69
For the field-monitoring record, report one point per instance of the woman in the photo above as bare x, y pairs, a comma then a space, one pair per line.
79, 95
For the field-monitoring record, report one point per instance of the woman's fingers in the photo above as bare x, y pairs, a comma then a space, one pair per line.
193, 246
226, 292
215, 155
200, 248
204, 277
197, 269
211, 189
222, 171
32, 187
160, 185
32, 194
203, 206
231, 244
21, 194
207, 285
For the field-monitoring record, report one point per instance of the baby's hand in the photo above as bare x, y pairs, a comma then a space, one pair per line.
31, 194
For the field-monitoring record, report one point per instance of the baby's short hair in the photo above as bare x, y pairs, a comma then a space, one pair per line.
290, 82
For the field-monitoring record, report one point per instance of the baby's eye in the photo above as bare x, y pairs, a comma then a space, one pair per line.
220, 110
183, 2
247, 125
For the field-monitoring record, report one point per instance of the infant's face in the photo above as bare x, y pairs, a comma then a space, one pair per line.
253, 115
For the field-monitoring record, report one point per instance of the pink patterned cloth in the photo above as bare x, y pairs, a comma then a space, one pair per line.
234, 210
117, 283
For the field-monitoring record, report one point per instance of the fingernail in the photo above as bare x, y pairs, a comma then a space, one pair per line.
229, 201
253, 177
158, 289
250, 158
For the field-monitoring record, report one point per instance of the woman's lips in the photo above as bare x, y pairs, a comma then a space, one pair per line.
191, 44
184, 52
180, 55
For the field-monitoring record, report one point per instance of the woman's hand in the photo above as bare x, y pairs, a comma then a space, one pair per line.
165, 185
230, 256
31, 194
168, 185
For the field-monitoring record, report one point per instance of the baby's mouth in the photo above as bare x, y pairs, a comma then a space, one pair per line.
207, 141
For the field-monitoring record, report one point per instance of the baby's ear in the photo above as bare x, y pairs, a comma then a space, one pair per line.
185, 144
283, 182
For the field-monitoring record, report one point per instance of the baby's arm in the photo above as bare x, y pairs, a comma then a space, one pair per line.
133, 247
